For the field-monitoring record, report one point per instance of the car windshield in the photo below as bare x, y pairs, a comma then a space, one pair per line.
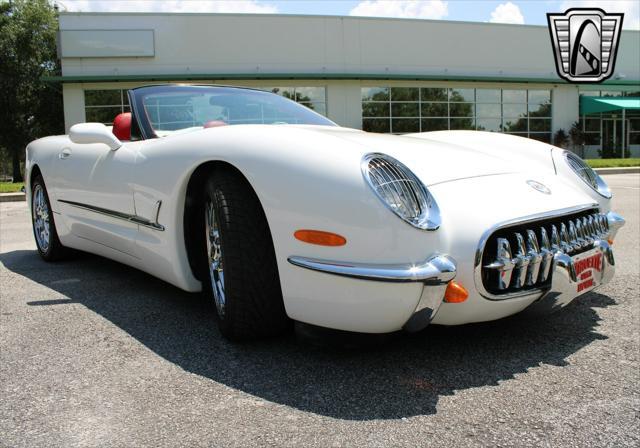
179, 109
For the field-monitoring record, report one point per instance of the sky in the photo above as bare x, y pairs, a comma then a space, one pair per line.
530, 12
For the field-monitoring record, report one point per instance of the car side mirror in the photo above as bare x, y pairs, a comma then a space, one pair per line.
88, 133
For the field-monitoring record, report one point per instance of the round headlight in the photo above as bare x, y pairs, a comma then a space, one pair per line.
401, 191
587, 174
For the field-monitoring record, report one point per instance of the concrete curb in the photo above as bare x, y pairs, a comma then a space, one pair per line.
12, 197
621, 170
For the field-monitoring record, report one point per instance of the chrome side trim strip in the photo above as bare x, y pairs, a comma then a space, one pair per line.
139, 220
437, 270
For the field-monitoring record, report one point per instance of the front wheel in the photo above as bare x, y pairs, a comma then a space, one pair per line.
44, 227
240, 260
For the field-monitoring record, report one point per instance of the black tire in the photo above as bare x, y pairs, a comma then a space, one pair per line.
53, 250
253, 305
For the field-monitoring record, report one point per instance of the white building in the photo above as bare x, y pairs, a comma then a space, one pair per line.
384, 75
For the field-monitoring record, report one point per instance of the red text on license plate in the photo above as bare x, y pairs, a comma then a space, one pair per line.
585, 269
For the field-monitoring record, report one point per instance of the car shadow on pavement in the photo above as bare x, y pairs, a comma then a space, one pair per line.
403, 377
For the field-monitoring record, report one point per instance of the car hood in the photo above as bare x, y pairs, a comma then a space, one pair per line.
438, 157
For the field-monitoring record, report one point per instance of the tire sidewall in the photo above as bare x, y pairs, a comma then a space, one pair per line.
254, 304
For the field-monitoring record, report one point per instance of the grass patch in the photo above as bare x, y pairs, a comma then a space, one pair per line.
10, 187
613, 163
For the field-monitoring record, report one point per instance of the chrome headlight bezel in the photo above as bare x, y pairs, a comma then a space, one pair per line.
413, 192
587, 174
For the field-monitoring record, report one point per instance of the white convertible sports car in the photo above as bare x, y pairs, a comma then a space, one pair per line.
278, 214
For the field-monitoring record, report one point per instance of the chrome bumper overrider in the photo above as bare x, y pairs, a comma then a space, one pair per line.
435, 274
615, 223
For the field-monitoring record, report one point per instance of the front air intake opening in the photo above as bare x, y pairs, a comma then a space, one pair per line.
518, 259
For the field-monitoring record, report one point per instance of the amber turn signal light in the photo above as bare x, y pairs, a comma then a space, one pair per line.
320, 238
455, 293
610, 241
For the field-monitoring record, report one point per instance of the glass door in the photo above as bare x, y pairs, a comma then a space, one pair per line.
612, 137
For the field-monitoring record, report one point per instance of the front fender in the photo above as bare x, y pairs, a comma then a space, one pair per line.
303, 179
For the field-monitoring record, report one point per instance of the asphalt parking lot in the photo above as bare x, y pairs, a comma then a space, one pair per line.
94, 353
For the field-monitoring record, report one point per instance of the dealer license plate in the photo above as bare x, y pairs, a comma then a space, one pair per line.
588, 267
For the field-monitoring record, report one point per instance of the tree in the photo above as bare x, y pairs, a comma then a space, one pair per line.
577, 137
560, 138
29, 107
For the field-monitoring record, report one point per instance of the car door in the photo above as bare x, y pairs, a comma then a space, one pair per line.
94, 193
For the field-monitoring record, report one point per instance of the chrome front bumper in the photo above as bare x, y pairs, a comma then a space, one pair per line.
435, 274
525, 251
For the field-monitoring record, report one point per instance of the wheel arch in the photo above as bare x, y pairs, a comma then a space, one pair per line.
193, 195
35, 171
30, 177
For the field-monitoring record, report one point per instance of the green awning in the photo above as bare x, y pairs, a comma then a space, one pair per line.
597, 104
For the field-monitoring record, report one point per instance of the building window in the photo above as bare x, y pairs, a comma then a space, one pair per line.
592, 128
102, 106
400, 110
610, 93
315, 98
603, 132
634, 130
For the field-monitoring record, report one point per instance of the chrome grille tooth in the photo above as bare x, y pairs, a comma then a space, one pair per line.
521, 261
580, 241
503, 263
605, 224
547, 254
544, 239
533, 251
573, 236
603, 229
565, 242
598, 225
587, 234
592, 228
555, 238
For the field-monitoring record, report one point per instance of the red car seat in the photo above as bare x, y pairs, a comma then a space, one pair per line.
122, 126
214, 124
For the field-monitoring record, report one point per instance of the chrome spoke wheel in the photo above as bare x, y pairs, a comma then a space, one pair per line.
214, 257
41, 218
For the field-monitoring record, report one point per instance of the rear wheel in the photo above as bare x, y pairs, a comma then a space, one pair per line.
240, 261
44, 227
